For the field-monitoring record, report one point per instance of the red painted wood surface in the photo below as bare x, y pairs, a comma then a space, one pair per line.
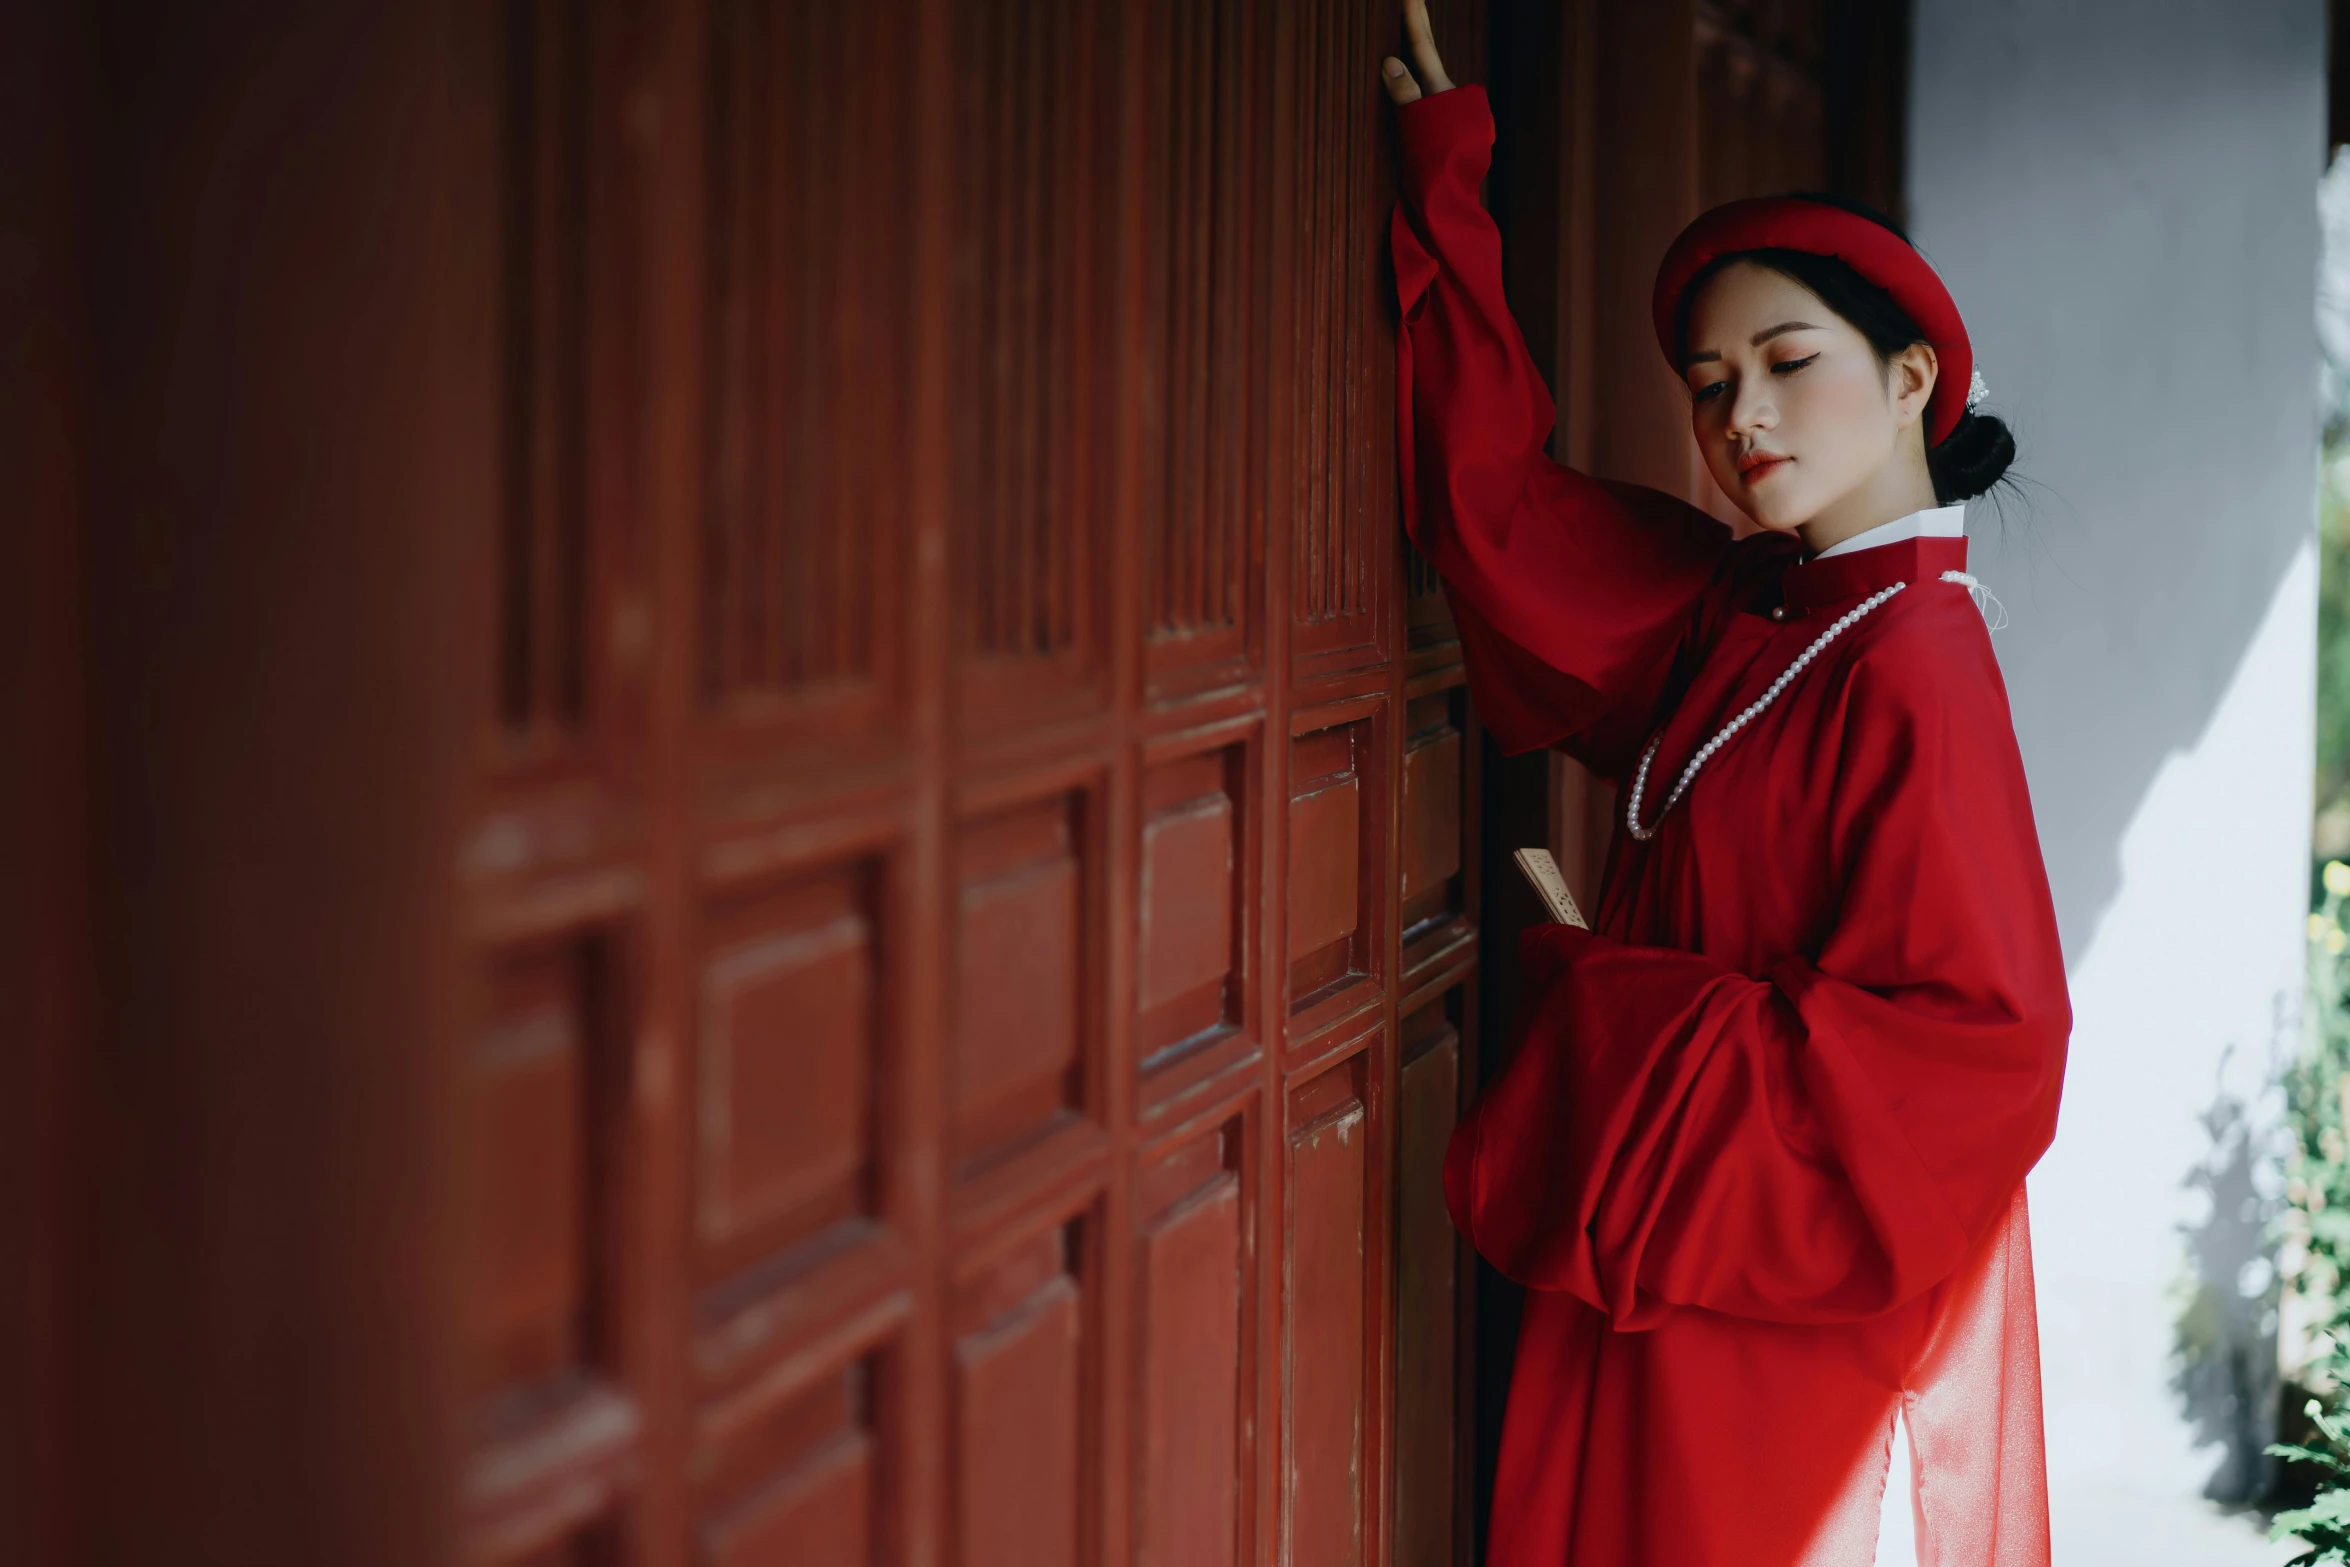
744, 840
45, 937
971, 791
256, 518
770, 804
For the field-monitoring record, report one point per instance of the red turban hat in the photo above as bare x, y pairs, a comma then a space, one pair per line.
1869, 248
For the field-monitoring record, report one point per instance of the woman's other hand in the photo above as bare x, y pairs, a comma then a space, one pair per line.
1400, 85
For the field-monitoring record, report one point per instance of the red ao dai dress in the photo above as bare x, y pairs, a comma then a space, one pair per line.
1758, 1151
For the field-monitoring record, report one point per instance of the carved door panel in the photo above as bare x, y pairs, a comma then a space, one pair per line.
974, 888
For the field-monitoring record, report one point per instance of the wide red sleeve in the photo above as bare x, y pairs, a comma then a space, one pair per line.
1571, 594
1829, 1139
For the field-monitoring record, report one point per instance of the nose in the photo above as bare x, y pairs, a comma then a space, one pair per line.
1752, 409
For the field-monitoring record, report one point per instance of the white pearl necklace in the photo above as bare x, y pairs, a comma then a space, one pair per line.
1753, 710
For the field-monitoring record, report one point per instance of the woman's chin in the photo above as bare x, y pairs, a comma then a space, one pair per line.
1772, 513
1770, 501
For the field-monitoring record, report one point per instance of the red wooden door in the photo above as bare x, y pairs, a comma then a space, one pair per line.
865, 534
972, 897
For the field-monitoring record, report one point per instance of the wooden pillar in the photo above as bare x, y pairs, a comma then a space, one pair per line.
285, 460
44, 949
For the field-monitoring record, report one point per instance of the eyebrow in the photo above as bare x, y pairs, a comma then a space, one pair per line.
1757, 341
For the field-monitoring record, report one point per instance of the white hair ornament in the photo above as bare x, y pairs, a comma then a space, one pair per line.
1977, 391
1994, 613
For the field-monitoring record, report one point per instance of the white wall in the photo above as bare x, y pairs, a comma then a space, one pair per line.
2121, 194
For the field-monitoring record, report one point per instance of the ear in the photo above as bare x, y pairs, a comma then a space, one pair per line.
1910, 378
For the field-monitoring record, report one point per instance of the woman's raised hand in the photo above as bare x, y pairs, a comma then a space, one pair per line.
1400, 85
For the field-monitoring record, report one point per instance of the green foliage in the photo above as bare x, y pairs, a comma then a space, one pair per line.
2318, 1192
2316, 1230
2333, 655
2314, 1259
2324, 1525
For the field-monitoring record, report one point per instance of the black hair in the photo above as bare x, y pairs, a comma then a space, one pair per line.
1976, 453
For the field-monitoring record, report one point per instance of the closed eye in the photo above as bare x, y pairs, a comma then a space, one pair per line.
1713, 389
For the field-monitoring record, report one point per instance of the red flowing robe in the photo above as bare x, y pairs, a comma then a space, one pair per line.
1758, 1154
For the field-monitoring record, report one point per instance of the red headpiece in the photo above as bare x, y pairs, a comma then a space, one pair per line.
1871, 249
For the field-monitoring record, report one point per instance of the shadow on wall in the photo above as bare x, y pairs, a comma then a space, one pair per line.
2226, 1335
2121, 195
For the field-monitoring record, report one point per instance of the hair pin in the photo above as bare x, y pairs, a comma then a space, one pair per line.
1978, 391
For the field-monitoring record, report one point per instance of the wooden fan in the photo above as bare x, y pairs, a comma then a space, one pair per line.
1543, 872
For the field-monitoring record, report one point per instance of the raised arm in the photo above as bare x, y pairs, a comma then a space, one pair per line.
1572, 594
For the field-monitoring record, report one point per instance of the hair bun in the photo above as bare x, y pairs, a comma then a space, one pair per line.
1971, 459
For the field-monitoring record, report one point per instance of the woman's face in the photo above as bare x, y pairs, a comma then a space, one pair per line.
1789, 403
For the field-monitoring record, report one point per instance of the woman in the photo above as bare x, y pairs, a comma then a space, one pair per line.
1759, 1153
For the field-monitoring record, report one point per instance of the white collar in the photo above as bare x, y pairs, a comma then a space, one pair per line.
1935, 522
